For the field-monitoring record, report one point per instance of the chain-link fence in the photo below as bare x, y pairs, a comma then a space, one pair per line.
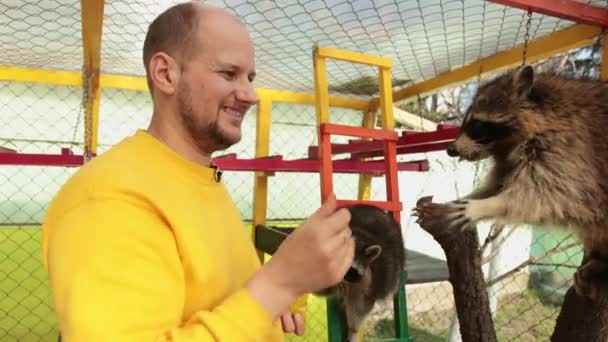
36, 118
423, 38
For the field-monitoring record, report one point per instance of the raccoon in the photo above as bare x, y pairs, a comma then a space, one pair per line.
546, 135
377, 267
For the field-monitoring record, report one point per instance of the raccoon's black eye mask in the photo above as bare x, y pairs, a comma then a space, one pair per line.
485, 132
352, 276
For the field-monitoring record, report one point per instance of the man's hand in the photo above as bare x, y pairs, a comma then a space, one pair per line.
293, 323
316, 255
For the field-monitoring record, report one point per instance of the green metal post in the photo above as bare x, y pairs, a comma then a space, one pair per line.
400, 310
334, 321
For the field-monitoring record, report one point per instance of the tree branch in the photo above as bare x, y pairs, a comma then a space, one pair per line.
466, 277
496, 248
528, 262
549, 264
492, 235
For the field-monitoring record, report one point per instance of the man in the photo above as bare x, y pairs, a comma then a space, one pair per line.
143, 244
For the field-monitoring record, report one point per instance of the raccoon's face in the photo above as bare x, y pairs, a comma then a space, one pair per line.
364, 257
491, 125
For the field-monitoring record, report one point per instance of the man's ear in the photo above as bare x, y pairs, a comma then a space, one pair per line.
523, 80
164, 73
372, 252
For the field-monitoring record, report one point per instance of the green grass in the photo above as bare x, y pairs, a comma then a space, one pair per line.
26, 308
26, 311
520, 317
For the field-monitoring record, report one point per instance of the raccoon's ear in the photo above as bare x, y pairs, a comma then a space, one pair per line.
372, 252
523, 80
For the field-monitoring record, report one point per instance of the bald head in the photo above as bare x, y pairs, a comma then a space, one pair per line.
176, 31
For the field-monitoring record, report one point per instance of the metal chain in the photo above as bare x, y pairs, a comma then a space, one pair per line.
527, 38
88, 116
594, 49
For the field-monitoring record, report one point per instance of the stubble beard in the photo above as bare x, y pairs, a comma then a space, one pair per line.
207, 137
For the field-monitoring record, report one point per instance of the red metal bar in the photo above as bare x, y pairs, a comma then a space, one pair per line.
431, 147
327, 186
395, 207
441, 134
407, 139
565, 9
277, 164
361, 132
65, 159
226, 162
392, 183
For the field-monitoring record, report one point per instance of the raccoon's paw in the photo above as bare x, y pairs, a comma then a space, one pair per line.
450, 215
591, 279
457, 214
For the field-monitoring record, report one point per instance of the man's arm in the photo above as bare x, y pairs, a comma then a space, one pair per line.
116, 276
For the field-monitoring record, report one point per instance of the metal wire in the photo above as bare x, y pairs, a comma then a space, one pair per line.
423, 38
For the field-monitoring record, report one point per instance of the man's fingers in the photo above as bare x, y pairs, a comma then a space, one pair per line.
337, 222
337, 241
288, 323
298, 320
349, 255
328, 207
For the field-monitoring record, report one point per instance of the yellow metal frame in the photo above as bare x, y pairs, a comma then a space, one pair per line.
352, 57
309, 99
322, 102
138, 83
262, 148
365, 181
604, 66
550, 45
92, 25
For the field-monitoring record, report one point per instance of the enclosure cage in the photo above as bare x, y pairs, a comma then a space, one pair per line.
72, 84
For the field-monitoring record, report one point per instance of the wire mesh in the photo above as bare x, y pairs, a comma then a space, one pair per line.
36, 118
42, 34
423, 38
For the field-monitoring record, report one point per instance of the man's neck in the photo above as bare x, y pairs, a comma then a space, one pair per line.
176, 138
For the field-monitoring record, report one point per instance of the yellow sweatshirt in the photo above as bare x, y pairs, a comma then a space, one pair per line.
144, 245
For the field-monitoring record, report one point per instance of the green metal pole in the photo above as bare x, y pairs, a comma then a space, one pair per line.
334, 321
400, 308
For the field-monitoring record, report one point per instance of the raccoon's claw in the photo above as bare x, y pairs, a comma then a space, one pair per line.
456, 216
591, 279
451, 214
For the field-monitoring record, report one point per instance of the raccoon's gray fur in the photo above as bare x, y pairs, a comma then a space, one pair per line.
379, 262
548, 138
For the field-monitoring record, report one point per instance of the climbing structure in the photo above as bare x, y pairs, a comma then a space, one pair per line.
385, 135
383, 143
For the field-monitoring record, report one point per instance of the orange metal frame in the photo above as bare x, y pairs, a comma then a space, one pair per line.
386, 134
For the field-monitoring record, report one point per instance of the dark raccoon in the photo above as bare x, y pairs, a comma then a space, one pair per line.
377, 267
546, 135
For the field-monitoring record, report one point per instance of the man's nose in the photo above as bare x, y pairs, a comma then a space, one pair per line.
452, 152
247, 94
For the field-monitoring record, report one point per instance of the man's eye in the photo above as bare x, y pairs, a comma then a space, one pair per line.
229, 74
